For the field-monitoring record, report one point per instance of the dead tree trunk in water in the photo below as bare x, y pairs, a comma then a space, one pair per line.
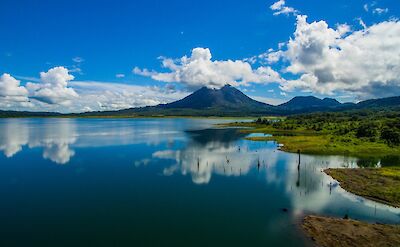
298, 165
298, 170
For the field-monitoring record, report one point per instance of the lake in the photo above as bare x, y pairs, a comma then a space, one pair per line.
161, 182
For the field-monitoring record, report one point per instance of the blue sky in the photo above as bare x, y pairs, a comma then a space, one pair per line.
96, 40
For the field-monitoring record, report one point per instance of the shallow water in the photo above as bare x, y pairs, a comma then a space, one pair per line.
161, 182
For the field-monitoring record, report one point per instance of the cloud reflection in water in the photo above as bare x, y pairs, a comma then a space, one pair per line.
309, 189
203, 154
58, 137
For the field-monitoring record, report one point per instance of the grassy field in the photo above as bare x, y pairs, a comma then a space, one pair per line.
331, 232
378, 184
333, 135
329, 144
313, 142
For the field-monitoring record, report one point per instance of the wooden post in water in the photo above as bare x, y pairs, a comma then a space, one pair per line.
298, 171
298, 165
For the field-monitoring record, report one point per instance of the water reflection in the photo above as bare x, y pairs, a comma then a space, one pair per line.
59, 137
132, 178
136, 165
54, 138
13, 135
215, 152
224, 152
208, 152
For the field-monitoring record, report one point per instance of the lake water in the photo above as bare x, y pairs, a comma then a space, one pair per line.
161, 182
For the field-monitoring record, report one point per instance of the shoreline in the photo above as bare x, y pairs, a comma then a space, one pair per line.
315, 143
377, 184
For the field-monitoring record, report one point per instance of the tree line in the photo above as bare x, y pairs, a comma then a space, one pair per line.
371, 125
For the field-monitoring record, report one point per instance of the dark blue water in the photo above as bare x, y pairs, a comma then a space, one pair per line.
161, 182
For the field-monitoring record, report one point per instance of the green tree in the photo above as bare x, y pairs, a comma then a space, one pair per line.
390, 136
368, 129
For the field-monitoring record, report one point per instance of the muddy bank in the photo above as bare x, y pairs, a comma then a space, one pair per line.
332, 232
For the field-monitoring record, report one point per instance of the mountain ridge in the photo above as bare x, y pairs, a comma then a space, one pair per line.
300, 102
227, 101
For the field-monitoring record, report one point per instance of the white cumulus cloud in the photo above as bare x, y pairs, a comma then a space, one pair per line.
56, 91
12, 94
53, 87
200, 70
114, 96
328, 60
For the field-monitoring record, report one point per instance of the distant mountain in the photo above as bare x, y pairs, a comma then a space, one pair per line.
309, 103
226, 97
228, 101
13, 114
383, 102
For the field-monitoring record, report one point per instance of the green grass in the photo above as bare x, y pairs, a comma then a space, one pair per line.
378, 184
327, 144
319, 142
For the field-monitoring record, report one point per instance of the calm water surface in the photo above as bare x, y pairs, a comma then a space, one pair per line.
161, 182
